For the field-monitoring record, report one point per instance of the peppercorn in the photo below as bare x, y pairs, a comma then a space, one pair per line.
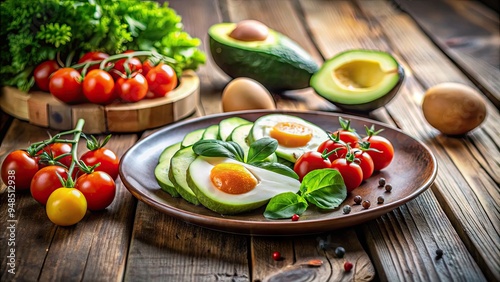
381, 182
295, 217
277, 256
346, 209
366, 204
347, 266
357, 199
388, 187
439, 253
339, 252
380, 200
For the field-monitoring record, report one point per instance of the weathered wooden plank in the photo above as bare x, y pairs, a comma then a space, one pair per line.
465, 187
466, 31
166, 249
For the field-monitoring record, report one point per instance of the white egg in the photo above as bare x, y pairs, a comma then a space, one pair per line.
295, 135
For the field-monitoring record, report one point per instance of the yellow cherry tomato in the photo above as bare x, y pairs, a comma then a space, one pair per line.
66, 206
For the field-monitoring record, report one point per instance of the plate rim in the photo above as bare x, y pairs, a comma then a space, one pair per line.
284, 227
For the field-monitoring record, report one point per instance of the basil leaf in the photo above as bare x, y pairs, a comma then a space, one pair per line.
218, 148
285, 205
324, 188
278, 168
261, 149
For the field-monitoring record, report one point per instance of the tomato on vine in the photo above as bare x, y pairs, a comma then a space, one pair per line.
43, 72
131, 89
351, 171
364, 161
93, 56
310, 161
347, 134
108, 161
335, 145
46, 181
381, 149
66, 206
18, 168
66, 85
161, 80
126, 66
98, 87
98, 188
56, 153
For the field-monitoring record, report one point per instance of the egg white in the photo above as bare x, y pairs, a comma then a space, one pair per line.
263, 126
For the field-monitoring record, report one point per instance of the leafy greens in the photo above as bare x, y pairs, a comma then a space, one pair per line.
32, 33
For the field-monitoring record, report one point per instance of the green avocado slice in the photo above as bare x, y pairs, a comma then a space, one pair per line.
359, 80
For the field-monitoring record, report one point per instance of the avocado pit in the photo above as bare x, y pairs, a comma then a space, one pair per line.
250, 30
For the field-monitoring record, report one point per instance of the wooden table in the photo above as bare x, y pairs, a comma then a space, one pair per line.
436, 41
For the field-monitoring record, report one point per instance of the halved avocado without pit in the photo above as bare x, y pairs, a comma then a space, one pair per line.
359, 80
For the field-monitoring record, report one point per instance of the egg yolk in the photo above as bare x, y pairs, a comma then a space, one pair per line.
232, 178
291, 134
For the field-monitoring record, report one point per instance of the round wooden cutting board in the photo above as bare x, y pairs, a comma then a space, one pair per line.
42, 109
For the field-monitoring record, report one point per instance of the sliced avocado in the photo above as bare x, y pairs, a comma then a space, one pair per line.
192, 137
179, 165
359, 80
212, 132
269, 185
226, 126
163, 168
278, 62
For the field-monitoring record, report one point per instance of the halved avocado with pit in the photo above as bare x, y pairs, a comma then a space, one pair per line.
359, 80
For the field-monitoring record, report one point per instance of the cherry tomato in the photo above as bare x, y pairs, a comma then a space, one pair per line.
57, 149
332, 144
66, 85
134, 65
18, 168
347, 134
98, 87
365, 162
46, 181
309, 161
66, 206
42, 74
161, 80
351, 172
93, 56
146, 67
99, 189
132, 89
385, 154
108, 160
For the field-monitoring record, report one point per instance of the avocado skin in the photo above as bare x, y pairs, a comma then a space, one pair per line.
277, 67
377, 103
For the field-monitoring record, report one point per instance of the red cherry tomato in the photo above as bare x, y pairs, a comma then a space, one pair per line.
18, 168
365, 162
132, 89
385, 154
46, 181
351, 173
98, 188
98, 87
134, 65
108, 160
310, 161
42, 74
57, 149
332, 144
93, 56
161, 80
65, 84
146, 67
347, 137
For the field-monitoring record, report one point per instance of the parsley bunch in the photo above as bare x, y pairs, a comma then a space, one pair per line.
35, 32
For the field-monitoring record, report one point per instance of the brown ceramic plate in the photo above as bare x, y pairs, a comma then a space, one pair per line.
411, 172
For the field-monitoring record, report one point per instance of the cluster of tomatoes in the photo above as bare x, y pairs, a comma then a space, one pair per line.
355, 157
101, 79
66, 187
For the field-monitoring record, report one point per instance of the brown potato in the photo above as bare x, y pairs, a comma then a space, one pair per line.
453, 108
